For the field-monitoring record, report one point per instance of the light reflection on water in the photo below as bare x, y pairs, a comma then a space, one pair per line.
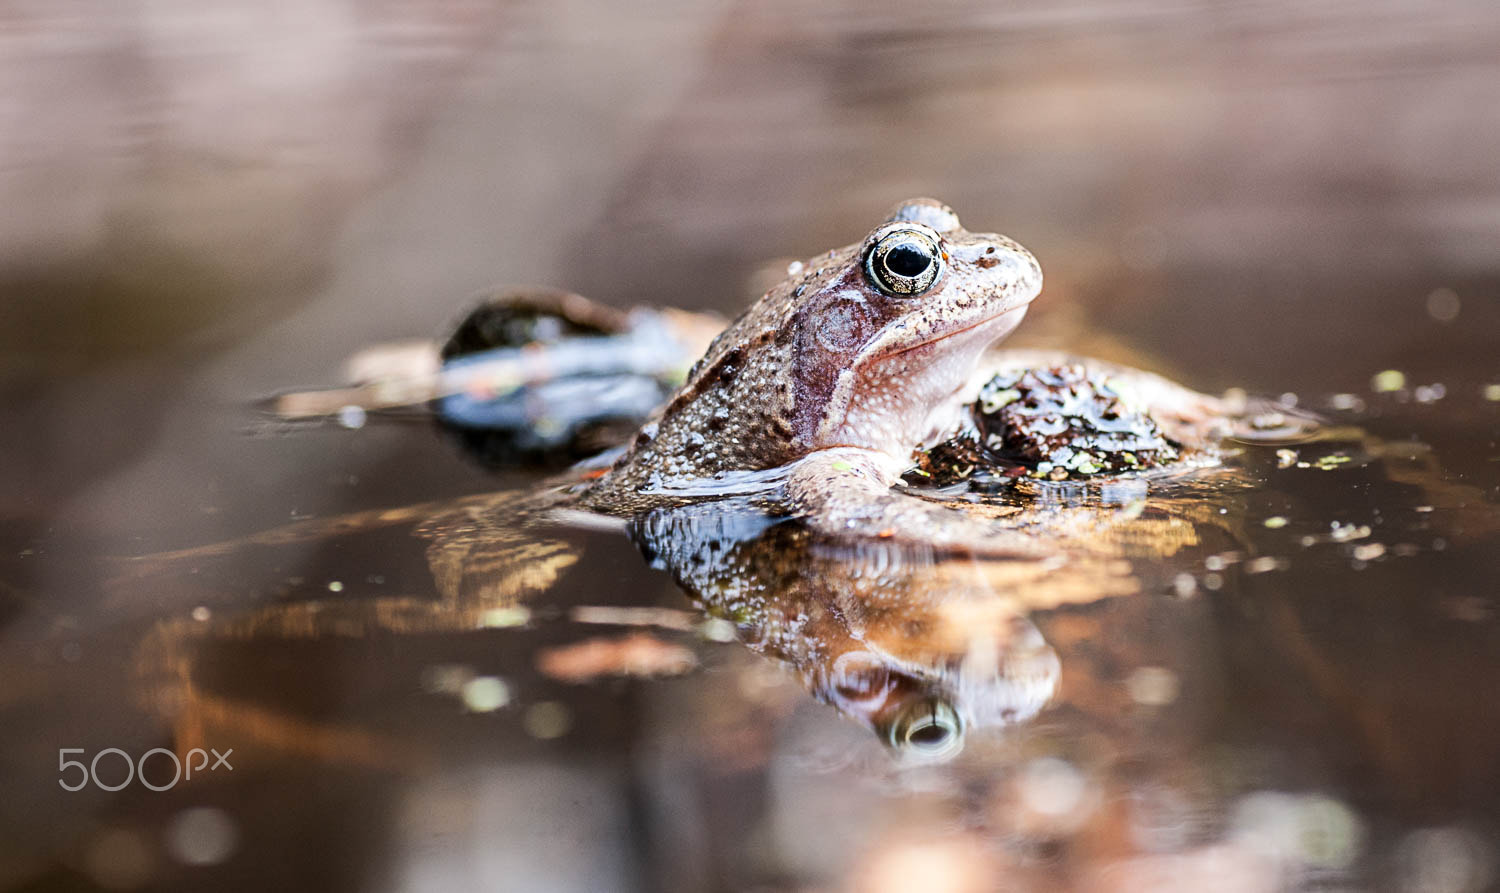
1287, 683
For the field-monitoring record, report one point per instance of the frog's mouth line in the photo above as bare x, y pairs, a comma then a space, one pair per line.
1020, 310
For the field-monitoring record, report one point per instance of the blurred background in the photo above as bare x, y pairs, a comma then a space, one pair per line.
205, 203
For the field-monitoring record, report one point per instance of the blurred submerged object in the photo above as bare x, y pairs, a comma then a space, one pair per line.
527, 376
544, 375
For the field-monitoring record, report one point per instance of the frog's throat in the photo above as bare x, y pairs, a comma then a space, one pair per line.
895, 420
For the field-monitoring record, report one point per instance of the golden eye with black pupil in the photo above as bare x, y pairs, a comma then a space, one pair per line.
904, 261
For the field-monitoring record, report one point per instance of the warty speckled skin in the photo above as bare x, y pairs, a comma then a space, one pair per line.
826, 360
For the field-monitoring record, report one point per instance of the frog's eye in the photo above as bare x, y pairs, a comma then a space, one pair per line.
904, 261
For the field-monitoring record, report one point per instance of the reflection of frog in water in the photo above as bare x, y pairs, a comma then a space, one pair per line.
918, 648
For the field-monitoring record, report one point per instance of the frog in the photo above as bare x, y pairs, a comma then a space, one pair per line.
861, 352
817, 398
858, 368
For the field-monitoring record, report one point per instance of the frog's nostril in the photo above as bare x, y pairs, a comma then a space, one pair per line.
907, 260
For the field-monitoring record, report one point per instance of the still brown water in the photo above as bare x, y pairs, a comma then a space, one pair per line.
1285, 681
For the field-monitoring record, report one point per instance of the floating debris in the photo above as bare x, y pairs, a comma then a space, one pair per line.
1266, 564
353, 417
616, 615
202, 835
1286, 458
1347, 402
639, 654
1275, 522
1222, 560
1299, 829
1492, 393
1153, 686
1430, 393
445, 679
485, 694
1053, 787
1389, 381
1343, 533
504, 618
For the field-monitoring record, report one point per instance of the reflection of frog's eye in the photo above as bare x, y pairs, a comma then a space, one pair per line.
859, 678
928, 729
904, 261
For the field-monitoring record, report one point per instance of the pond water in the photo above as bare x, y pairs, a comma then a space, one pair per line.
1277, 674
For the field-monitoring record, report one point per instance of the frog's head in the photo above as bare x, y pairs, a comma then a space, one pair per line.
885, 332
